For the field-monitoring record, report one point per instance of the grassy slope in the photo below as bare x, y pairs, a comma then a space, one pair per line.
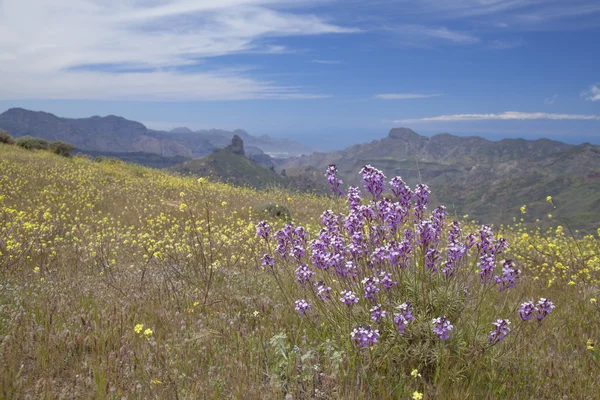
89, 250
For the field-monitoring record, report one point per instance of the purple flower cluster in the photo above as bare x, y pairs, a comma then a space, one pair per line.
403, 317
334, 181
364, 335
510, 274
442, 327
373, 180
302, 306
303, 274
501, 329
370, 287
262, 230
540, 310
348, 298
367, 250
377, 313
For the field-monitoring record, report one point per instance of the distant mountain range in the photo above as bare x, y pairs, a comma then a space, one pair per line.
488, 180
112, 134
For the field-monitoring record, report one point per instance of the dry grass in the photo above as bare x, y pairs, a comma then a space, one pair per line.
90, 250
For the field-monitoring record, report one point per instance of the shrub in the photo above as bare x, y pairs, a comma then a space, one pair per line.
400, 286
32, 143
275, 211
62, 148
6, 138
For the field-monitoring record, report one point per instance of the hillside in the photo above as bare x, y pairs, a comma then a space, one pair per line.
231, 165
117, 134
487, 180
120, 281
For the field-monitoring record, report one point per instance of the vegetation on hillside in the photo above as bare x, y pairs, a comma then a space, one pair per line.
122, 281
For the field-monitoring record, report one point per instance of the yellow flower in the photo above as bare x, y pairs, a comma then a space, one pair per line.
524, 209
414, 373
590, 344
571, 283
182, 207
156, 382
549, 199
196, 303
417, 396
550, 216
223, 203
138, 328
593, 300
525, 236
148, 332
255, 313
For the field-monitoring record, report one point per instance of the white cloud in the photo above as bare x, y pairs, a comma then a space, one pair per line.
61, 48
505, 116
404, 96
551, 100
329, 62
421, 32
592, 94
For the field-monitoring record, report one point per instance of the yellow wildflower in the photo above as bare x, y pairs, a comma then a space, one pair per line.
590, 344
156, 382
148, 332
415, 373
593, 300
417, 396
549, 199
255, 313
138, 328
524, 209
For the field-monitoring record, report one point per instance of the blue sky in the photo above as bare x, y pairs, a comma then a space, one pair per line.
326, 72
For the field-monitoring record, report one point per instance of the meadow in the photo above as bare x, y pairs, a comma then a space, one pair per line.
120, 281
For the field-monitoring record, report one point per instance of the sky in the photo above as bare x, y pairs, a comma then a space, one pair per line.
329, 73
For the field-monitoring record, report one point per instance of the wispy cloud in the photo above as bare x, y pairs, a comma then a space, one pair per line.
160, 47
422, 32
592, 94
405, 96
328, 62
505, 116
505, 44
551, 100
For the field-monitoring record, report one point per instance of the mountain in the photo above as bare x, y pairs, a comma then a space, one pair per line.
488, 180
231, 165
117, 135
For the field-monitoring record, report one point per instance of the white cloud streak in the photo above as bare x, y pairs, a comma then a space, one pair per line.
505, 116
592, 94
405, 96
422, 32
327, 62
551, 100
144, 50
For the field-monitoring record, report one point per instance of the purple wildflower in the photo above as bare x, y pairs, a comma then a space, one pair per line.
333, 180
354, 198
348, 298
377, 313
302, 306
526, 310
402, 318
385, 278
487, 264
432, 256
322, 290
501, 329
442, 327
421, 200
373, 180
303, 274
510, 274
268, 261
371, 288
543, 308
364, 335
262, 230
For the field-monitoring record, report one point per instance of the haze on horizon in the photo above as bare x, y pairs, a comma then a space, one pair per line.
328, 73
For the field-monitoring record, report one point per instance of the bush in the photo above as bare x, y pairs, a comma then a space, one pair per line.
6, 138
275, 211
32, 143
397, 285
62, 148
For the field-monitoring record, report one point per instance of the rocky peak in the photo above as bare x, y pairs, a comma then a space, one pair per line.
236, 146
403, 133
